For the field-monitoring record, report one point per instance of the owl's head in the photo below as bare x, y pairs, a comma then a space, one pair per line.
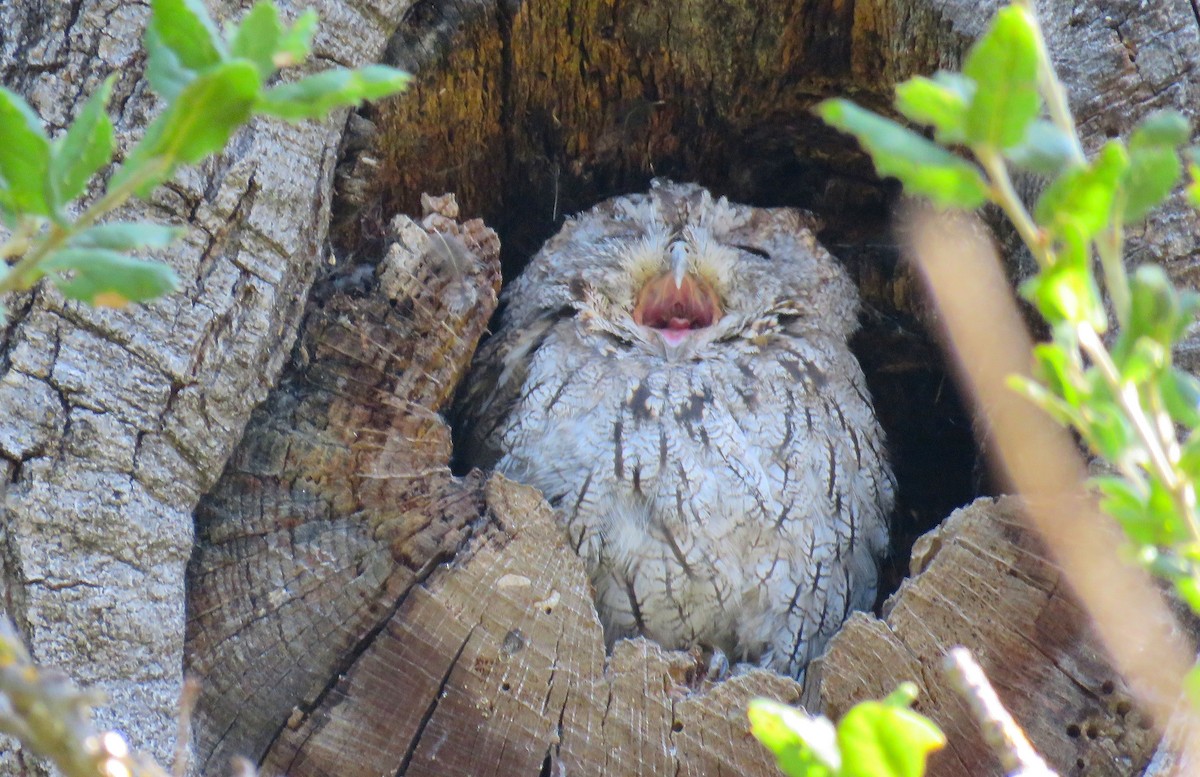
675, 271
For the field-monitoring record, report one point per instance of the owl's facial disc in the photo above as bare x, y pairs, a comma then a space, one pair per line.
675, 306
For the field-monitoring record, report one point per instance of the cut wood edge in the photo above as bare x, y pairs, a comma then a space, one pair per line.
986, 584
495, 665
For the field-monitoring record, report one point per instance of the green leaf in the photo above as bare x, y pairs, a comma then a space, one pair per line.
1046, 150
1166, 127
1148, 516
164, 70
1181, 395
126, 236
958, 83
1126, 503
1159, 316
922, 166
8, 215
1107, 429
1098, 389
880, 739
1168, 523
1084, 194
184, 27
1058, 369
1050, 403
316, 95
1189, 458
198, 123
1071, 245
1188, 589
1003, 64
904, 695
257, 37
1065, 293
803, 746
86, 146
296, 44
1154, 166
24, 156
1144, 362
102, 277
1156, 310
928, 102
1192, 192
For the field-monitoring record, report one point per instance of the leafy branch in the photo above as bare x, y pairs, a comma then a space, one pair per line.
211, 84
1131, 405
1125, 397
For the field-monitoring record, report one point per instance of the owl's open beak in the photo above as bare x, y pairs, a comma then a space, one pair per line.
675, 304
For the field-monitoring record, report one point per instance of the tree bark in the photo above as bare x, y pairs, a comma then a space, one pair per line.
115, 423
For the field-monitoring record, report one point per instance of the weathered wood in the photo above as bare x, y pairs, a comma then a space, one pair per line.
593, 97
113, 423
985, 582
495, 665
340, 499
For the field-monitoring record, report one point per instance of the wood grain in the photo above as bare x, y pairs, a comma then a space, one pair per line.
340, 498
985, 582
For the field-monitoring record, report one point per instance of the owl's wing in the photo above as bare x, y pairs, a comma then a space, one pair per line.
494, 387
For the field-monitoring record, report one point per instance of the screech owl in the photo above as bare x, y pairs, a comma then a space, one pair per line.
672, 372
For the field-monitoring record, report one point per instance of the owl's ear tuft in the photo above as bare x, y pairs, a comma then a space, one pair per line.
794, 219
763, 223
809, 220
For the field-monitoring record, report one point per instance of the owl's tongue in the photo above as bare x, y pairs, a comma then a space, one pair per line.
676, 310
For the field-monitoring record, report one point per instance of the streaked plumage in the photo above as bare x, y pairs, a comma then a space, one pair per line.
672, 372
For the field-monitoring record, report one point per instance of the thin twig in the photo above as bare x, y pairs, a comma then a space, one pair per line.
53, 718
1053, 90
1005, 195
1110, 246
1000, 731
22, 274
1147, 432
188, 695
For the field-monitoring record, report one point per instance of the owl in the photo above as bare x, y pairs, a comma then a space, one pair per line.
672, 372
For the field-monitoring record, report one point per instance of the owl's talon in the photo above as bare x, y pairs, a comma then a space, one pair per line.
718, 666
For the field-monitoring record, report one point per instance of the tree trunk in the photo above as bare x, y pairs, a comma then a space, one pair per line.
435, 621
115, 422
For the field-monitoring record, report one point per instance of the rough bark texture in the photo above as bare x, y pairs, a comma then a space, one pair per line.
114, 423
986, 582
340, 500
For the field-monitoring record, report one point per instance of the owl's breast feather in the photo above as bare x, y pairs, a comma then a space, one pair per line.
713, 498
